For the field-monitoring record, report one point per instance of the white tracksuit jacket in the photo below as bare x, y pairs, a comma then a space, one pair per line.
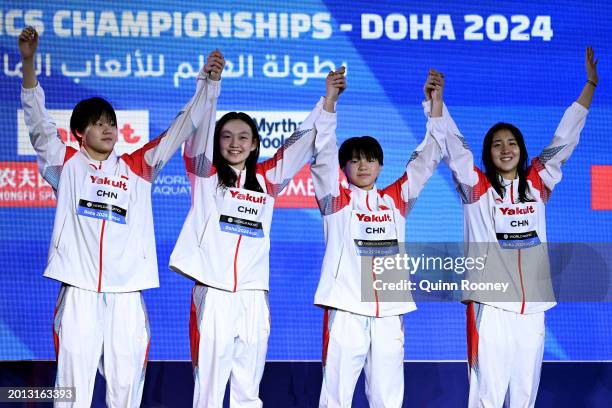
510, 233
201, 251
340, 284
88, 251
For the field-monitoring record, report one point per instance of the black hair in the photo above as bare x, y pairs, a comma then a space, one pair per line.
88, 112
227, 176
359, 146
491, 170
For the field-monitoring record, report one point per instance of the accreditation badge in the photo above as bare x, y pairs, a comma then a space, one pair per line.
374, 233
105, 197
242, 212
516, 225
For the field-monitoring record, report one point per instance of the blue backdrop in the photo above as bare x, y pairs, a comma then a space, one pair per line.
520, 63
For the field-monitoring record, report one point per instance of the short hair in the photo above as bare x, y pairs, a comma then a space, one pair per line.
359, 146
88, 112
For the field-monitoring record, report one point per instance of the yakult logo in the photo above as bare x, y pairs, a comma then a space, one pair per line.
373, 218
132, 131
248, 197
517, 210
108, 182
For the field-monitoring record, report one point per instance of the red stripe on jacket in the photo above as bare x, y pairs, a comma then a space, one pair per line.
138, 164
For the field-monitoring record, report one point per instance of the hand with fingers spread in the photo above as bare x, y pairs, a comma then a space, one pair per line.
591, 66
586, 96
28, 43
335, 84
214, 65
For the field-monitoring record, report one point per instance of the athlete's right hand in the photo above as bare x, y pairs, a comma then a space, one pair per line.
335, 84
434, 85
28, 42
215, 64
591, 66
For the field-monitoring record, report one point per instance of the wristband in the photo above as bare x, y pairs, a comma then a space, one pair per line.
592, 83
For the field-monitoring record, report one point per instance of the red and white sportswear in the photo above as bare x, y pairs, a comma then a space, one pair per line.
93, 248
340, 285
511, 234
216, 247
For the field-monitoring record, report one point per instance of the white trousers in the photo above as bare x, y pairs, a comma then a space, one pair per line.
229, 339
505, 351
105, 331
353, 342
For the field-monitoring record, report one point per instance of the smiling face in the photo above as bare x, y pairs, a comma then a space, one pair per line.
236, 142
99, 138
362, 172
505, 153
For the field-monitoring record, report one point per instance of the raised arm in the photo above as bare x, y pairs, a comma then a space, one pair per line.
193, 121
586, 96
470, 181
297, 149
50, 150
199, 148
426, 157
325, 169
545, 171
28, 43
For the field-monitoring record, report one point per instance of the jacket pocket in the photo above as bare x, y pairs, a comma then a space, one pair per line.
205, 232
57, 238
341, 261
143, 249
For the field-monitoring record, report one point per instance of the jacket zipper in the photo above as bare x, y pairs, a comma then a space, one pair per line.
101, 249
372, 266
236, 263
100, 260
237, 246
520, 270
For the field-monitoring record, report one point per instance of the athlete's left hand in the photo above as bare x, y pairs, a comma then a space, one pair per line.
214, 65
591, 65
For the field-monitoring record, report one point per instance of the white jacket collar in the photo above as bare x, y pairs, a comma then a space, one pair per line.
241, 174
368, 198
107, 164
